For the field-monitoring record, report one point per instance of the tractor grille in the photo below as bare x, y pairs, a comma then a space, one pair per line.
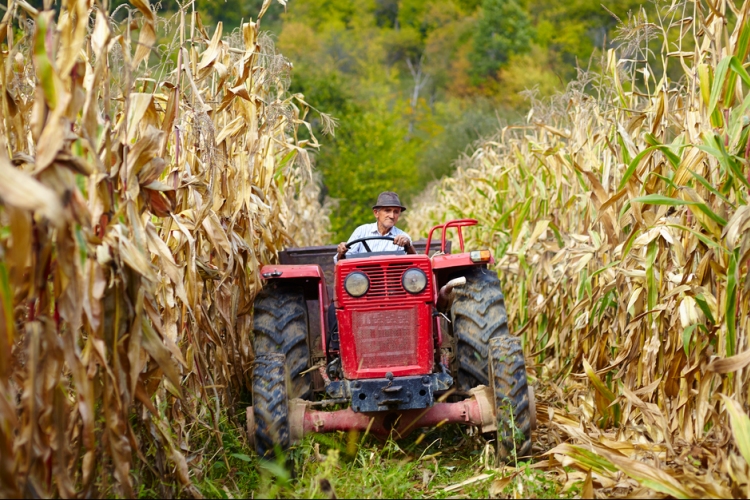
385, 280
385, 284
385, 338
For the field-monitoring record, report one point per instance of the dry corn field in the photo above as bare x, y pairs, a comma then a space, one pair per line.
619, 219
147, 170
149, 165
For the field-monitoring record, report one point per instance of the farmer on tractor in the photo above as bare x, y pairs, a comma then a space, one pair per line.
400, 334
387, 210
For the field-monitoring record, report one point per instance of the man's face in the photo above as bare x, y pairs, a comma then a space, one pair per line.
387, 216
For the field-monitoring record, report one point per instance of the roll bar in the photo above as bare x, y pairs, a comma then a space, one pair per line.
458, 224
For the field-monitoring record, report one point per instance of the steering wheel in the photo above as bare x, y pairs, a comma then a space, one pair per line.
365, 240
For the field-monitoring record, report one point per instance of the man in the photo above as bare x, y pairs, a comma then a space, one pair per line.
387, 210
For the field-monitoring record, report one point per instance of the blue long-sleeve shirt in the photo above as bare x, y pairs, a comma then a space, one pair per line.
366, 230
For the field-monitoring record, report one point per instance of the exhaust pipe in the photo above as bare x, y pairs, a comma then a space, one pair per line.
445, 295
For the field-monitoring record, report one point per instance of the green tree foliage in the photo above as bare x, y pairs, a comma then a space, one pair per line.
415, 82
503, 29
368, 155
573, 30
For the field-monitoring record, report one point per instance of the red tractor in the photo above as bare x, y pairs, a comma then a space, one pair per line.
412, 332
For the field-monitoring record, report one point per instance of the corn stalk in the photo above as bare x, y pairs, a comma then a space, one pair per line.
143, 183
618, 215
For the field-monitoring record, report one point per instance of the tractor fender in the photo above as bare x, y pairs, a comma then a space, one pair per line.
449, 266
311, 280
291, 271
309, 277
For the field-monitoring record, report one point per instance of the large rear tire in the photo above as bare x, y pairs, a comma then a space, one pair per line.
280, 327
479, 315
270, 405
512, 398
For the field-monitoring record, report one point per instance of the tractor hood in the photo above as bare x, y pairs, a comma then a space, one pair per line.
387, 329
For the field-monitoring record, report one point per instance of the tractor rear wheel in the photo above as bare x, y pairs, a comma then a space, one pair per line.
270, 405
513, 405
479, 315
280, 327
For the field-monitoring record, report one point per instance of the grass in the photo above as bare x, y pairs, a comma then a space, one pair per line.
349, 465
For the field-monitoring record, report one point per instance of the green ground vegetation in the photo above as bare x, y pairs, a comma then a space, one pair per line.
428, 464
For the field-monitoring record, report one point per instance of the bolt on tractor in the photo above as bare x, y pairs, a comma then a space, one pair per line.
408, 341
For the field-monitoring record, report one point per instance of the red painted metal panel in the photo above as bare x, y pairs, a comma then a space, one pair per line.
388, 329
396, 339
291, 271
312, 271
455, 260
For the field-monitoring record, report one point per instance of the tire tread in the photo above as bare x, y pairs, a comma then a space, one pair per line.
479, 315
511, 398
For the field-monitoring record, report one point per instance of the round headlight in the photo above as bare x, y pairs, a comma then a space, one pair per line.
356, 284
414, 280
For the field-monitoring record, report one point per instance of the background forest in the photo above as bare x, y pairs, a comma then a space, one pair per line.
413, 83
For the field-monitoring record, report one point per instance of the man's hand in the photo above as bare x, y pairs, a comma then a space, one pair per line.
341, 249
401, 241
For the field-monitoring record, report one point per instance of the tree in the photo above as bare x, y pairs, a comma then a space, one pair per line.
369, 154
503, 29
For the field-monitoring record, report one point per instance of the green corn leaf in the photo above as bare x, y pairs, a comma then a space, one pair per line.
731, 304
712, 215
521, 218
715, 147
599, 271
660, 199
634, 165
740, 426
504, 217
687, 336
647, 475
603, 390
666, 180
625, 153
710, 188
629, 243
671, 156
557, 234
743, 42
701, 301
708, 241
718, 84
586, 458
737, 67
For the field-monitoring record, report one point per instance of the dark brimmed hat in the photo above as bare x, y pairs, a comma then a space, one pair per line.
388, 199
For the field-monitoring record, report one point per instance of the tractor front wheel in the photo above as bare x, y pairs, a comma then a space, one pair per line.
479, 315
513, 400
270, 405
280, 327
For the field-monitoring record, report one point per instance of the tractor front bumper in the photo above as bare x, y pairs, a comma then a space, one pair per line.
390, 393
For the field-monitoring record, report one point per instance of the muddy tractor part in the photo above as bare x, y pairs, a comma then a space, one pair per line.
477, 411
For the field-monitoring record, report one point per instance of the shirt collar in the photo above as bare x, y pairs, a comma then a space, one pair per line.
374, 230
